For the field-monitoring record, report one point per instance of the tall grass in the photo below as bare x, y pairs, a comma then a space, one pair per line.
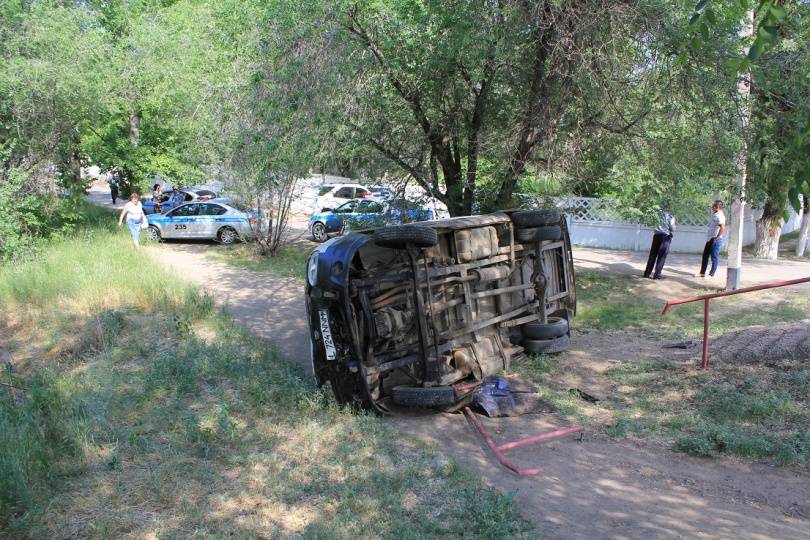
89, 278
89, 273
162, 418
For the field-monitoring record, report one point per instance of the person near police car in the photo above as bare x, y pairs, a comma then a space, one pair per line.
135, 216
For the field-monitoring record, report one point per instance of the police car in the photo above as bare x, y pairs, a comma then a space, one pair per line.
212, 219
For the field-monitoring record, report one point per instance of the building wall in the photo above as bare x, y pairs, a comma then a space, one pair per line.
635, 237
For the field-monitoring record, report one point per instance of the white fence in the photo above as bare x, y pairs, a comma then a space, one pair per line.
597, 222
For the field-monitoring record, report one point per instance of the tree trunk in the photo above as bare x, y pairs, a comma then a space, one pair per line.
76, 172
769, 229
134, 128
451, 172
735, 233
531, 130
804, 232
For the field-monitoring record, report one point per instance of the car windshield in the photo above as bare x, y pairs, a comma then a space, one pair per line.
324, 190
242, 206
403, 204
346, 208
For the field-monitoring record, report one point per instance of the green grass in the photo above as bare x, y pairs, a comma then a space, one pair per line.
139, 410
609, 302
289, 261
752, 412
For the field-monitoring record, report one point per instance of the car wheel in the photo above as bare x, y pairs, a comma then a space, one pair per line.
402, 235
153, 234
547, 346
348, 388
319, 232
537, 234
556, 327
536, 218
227, 236
418, 396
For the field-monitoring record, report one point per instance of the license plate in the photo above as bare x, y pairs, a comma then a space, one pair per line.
326, 336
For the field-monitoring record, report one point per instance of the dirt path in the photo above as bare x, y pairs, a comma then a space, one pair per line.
681, 267
272, 307
597, 488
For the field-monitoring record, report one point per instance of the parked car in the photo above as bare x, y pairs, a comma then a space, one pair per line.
213, 219
188, 196
333, 195
363, 214
399, 316
380, 192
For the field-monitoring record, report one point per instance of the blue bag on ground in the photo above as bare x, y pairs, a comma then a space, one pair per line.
494, 397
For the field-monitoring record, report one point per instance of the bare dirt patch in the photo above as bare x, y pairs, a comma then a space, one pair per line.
787, 342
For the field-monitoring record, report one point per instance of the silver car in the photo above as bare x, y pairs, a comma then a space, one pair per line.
213, 219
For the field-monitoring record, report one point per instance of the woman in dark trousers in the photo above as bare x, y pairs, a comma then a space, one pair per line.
659, 249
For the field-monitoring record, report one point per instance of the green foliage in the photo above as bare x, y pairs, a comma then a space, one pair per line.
28, 218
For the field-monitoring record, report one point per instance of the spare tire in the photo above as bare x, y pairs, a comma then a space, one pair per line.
419, 396
401, 235
556, 327
536, 218
547, 346
536, 234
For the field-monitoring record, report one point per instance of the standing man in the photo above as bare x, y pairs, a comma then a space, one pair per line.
714, 239
661, 241
113, 181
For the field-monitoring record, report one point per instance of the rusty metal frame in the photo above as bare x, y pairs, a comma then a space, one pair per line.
706, 298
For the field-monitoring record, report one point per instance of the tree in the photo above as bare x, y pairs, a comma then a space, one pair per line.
274, 126
440, 88
781, 110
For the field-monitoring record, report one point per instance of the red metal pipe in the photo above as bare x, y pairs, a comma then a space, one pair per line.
502, 459
707, 297
538, 438
705, 362
498, 450
773, 285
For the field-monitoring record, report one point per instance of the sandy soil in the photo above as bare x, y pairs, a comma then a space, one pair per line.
596, 488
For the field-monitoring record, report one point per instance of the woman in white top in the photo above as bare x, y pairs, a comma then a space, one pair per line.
135, 217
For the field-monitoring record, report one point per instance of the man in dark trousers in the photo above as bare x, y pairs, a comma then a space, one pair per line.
714, 240
661, 241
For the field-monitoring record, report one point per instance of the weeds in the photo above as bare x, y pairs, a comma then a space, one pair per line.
40, 426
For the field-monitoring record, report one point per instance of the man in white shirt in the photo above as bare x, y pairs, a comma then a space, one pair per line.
714, 239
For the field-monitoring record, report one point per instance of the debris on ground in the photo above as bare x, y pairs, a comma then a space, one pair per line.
502, 396
584, 395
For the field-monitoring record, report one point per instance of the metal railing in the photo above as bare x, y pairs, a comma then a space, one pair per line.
706, 298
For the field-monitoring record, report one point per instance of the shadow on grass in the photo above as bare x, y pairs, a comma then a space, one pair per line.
206, 430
